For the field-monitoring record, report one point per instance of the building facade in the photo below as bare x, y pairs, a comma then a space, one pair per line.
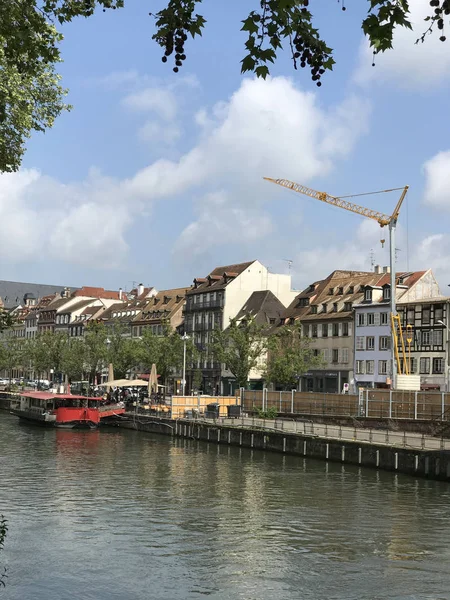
214, 300
427, 353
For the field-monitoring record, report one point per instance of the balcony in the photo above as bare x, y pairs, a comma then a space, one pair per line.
187, 308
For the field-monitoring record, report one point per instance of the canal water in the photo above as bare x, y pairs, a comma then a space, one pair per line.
124, 515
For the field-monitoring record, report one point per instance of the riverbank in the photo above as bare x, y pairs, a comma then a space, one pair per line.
406, 454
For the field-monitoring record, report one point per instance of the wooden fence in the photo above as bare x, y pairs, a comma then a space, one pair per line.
372, 403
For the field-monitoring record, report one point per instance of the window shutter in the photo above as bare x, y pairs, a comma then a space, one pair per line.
345, 355
377, 318
340, 329
325, 355
339, 356
363, 367
319, 331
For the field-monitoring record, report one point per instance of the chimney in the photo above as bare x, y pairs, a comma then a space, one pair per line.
120, 294
377, 270
386, 269
140, 289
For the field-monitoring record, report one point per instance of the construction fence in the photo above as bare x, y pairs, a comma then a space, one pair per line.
371, 403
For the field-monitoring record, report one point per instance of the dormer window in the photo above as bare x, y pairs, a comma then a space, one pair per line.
347, 306
351, 290
324, 308
304, 302
341, 291
387, 293
331, 291
368, 295
335, 306
314, 310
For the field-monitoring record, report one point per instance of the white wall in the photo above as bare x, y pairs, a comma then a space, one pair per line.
254, 279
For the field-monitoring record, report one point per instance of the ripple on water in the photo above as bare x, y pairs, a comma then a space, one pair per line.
118, 514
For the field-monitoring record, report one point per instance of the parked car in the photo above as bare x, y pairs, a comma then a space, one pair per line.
4, 381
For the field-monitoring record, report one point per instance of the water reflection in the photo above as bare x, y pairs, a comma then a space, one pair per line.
118, 514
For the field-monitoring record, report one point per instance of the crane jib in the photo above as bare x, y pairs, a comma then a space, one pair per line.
381, 218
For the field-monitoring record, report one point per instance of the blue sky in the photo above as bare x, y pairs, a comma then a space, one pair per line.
157, 178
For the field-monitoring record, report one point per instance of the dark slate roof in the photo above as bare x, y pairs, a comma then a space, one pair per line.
12, 292
264, 306
219, 278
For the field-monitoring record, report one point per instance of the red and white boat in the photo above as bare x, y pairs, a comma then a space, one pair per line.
65, 411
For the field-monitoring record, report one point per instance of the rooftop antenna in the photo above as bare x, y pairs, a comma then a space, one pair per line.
289, 262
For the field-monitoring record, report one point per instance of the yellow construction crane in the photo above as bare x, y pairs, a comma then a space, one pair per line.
382, 219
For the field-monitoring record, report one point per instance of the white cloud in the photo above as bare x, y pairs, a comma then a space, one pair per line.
265, 128
437, 180
158, 100
152, 131
408, 64
221, 224
82, 223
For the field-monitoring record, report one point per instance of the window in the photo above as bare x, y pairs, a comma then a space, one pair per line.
345, 329
426, 315
324, 307
361, 319
347, 306
385, 342
304, 302
316, 352
331, 291
325, 355
306, 330
314, 310
438, 313
351, 290
370, 342
360, 342
335, 356
410, 314
335, 329
314, 331
272, 321
335, 306
370, 319
425, 338
437, 337
325, 330
383, 318
424, 366
369, 367
387, 293
345, 355
368, 295
360, 367
341, 290
382, 367
438, 365
412, 366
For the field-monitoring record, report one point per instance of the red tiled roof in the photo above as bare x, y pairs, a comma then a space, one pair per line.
98, 292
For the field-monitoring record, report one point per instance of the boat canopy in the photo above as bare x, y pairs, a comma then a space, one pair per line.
50, 396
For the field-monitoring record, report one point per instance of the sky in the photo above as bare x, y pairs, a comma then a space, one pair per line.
157, 177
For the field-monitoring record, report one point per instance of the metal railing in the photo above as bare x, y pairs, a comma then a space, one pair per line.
383, 437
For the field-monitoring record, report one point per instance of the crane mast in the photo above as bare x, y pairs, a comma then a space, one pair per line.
382, 219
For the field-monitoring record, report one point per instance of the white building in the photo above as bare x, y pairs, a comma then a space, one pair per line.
217, 298
373, 364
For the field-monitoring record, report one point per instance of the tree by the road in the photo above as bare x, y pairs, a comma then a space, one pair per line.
30, 94
241, 347
289, 357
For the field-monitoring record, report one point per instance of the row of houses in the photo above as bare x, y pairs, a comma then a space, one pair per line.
346, 317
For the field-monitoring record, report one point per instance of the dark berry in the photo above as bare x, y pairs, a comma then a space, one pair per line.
442, 38
319, 83
164, 59
175, 69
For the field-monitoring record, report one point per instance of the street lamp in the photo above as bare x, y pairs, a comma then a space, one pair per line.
185, 338
441, 322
